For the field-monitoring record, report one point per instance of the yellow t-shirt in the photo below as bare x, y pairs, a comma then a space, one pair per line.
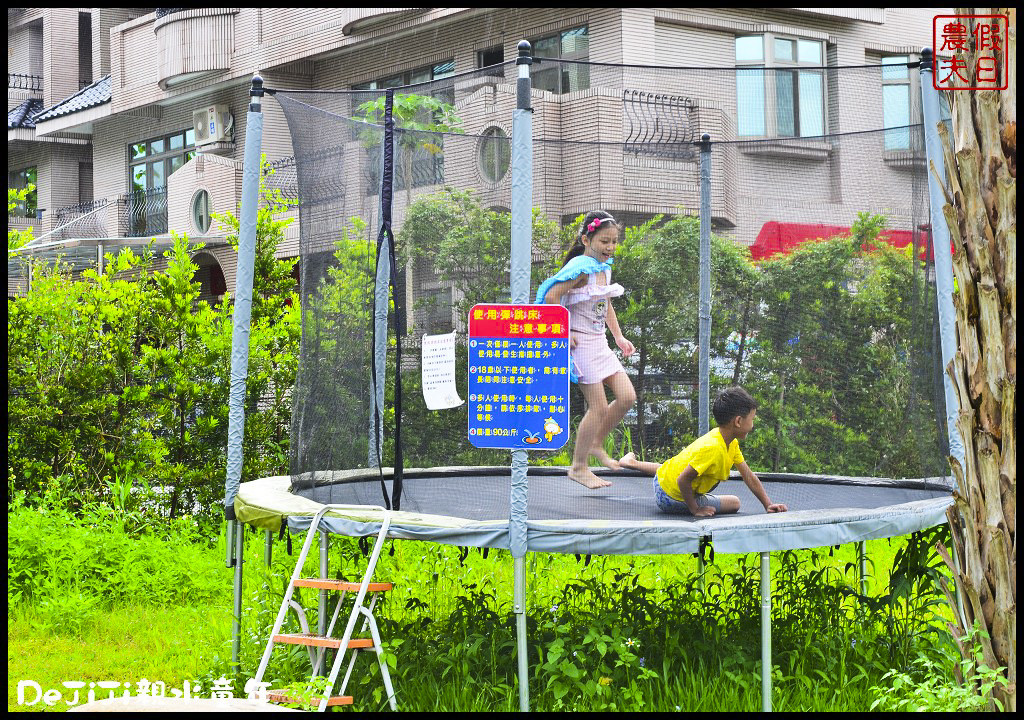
709, 456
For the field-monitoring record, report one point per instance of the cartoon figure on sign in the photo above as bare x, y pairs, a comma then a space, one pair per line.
551, 428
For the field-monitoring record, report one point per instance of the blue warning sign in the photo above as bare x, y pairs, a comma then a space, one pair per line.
519, 376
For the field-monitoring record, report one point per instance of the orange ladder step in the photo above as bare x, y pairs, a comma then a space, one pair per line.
278, 696
321, 641
341, 585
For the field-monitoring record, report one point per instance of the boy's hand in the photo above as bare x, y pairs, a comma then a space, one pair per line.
777, 507
704, 511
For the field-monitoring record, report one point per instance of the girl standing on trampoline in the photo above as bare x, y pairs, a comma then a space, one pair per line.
584, 286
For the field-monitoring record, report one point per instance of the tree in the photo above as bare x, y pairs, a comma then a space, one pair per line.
17, 238
981, 213
420, 121
839, 342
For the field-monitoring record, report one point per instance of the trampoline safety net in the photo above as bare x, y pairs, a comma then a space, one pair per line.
823, 298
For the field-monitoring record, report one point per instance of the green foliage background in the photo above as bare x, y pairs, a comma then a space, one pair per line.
119, 380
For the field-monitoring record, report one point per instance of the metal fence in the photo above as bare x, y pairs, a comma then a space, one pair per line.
143, 212
19, 81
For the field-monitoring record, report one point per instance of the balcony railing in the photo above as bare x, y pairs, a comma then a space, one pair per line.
84, 220
143, 212
660, 124
18, 81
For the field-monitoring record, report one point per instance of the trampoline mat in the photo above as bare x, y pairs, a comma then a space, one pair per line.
470, 506
552, 496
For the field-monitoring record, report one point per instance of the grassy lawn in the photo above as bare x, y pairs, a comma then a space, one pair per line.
468, 668
123, 645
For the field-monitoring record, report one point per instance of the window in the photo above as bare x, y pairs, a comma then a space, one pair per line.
491, 56
495, 154
201, 211
150, 163
425, 161
557, 77
19, 180
413, 77
896, 89
780, 92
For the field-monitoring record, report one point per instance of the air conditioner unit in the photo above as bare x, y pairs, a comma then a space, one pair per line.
212, 124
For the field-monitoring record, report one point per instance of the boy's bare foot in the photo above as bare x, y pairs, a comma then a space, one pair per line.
628, 461
587, 478
605, 459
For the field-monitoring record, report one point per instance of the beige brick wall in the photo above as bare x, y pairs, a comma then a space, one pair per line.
60, 54
305, 48
103, 19
25, 49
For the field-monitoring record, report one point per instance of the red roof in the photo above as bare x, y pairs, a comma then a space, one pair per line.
779, 237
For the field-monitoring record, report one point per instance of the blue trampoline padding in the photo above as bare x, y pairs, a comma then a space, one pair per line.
470, 506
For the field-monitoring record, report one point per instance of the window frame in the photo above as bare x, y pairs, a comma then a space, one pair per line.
490, 150
195, 210
912, 82
772, 68
490, 50
409, 77
565, 82
19, 180
186, 152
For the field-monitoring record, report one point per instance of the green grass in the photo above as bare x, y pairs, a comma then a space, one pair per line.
123, 644
644, 635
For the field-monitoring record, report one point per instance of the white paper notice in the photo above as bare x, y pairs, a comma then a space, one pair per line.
438, 365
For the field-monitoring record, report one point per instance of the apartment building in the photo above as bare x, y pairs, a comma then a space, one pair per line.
103, 105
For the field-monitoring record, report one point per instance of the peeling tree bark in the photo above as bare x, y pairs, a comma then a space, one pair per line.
981, 169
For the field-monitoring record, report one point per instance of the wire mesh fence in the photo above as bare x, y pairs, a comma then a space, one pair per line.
836, 339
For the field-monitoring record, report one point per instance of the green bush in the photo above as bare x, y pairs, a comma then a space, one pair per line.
118, 381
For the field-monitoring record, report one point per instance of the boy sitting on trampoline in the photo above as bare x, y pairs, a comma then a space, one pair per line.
684, 483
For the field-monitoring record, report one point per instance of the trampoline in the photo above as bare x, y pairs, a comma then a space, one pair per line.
565, 517
359, 305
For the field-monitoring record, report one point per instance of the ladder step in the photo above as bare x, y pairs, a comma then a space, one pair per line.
341, 585
277, 696
321, 641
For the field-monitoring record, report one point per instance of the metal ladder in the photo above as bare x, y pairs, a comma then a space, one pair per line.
322, 642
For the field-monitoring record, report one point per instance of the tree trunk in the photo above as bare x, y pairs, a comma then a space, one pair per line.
743, 340
981, 214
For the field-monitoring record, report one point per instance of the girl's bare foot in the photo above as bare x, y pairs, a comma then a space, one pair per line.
605, 459
628, 461
587, 478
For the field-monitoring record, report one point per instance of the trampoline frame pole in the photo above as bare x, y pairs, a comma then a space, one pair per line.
321, 621
236, 625
940, 247
943, 272
519, 288
248, 218
704, 331
862, 558
766, 632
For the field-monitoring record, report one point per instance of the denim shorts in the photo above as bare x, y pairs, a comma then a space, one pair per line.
668, 504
